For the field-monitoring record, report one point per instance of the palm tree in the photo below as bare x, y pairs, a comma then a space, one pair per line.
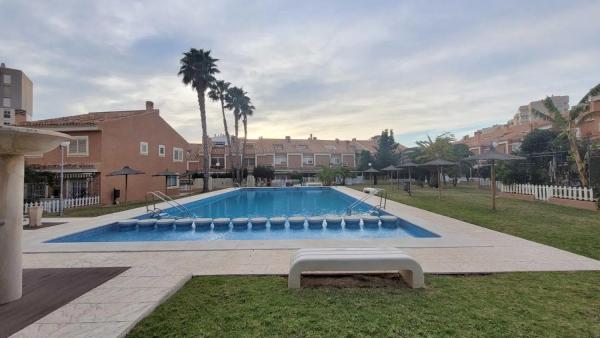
218, 92
247, 110
198, 69
567, 124
235, 102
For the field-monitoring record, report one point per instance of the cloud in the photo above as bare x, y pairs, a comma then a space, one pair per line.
334, 69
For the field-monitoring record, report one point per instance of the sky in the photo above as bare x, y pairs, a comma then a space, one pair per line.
334, 69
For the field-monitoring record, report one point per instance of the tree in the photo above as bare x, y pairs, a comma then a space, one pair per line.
364, 158
326, 175
218, 92
441, 147
247, 110
566, 125
198, 68
386, 148
343, 172
234, 101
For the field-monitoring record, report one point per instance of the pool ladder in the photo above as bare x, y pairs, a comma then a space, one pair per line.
157, 212
376, 209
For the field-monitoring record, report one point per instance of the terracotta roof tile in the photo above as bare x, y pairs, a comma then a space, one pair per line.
89, 119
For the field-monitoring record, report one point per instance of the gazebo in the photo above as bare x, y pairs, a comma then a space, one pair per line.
167, 174
390, 168
375, 172
439, 164
494, 156
126, 171
409, 165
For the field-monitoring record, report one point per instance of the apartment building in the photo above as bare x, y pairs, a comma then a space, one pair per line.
16, 96
526, 114
107, 141
507, 138
285, 156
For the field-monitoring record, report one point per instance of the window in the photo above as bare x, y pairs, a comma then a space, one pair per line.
78, 146
144, 148
308, 159
280, 160
6, 79
335, 160
177, 154
217, 162
278, 146
6, 101
172, 181
162, 151
7, 114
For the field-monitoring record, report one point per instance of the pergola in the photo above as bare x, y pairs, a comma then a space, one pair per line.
494, 156
439, 164
409, 165
390, 168
126, 171
375, 172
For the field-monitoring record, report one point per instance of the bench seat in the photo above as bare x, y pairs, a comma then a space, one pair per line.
354, 260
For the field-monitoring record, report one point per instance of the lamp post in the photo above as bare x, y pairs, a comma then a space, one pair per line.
63, 145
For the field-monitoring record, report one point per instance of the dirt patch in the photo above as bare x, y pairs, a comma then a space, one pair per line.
385, 280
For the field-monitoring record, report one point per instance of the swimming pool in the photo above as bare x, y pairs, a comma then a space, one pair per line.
294, 207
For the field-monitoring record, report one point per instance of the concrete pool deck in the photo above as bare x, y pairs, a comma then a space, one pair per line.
160, 268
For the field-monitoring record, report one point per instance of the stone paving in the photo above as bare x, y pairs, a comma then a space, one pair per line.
160, 268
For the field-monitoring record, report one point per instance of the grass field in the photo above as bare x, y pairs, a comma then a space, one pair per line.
563, 227
544, 304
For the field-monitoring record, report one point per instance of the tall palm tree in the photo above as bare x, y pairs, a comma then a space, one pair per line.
218, 92
567, 124
247, 110
234, 102
197, 68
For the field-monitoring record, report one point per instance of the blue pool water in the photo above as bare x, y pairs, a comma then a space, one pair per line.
261, 202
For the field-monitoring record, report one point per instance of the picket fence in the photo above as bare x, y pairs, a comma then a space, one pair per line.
544, 192
53, 205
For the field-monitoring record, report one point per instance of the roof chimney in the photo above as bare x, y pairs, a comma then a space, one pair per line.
310, 137
354, 139
288, 139
149, 106
337, 140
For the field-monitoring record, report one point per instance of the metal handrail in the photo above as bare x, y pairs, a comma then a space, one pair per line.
165, 198
357, 202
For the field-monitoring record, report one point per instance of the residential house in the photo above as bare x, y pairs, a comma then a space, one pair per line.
107, 141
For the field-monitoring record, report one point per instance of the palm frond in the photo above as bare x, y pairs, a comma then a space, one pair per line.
593, 92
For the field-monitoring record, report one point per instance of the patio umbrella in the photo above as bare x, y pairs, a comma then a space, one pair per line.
374, 172
389, 169
126, 171
408, 165
439, 164
166, 174
494, 156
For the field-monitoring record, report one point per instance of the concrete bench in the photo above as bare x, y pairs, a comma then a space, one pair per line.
354, 260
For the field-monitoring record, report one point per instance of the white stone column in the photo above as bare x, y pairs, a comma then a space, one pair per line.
11, 226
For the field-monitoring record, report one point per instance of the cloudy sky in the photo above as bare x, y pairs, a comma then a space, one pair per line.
331, 68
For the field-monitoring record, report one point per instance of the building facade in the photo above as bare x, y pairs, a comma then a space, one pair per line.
286, 156
526, 114
107, 141
16, 96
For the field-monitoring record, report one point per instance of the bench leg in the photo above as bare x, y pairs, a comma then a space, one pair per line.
294, 280
414, 279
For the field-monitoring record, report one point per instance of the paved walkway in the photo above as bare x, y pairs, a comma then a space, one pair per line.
160, 268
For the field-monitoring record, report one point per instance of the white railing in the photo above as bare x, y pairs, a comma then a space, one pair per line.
53, 205
544, 192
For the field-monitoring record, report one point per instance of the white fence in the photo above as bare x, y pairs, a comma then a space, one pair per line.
53, 205
544, 192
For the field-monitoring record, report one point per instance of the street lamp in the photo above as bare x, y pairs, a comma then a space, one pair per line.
63, 145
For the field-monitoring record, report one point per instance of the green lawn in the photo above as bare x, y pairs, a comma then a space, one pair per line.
549, 304
503, 305
566, 228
